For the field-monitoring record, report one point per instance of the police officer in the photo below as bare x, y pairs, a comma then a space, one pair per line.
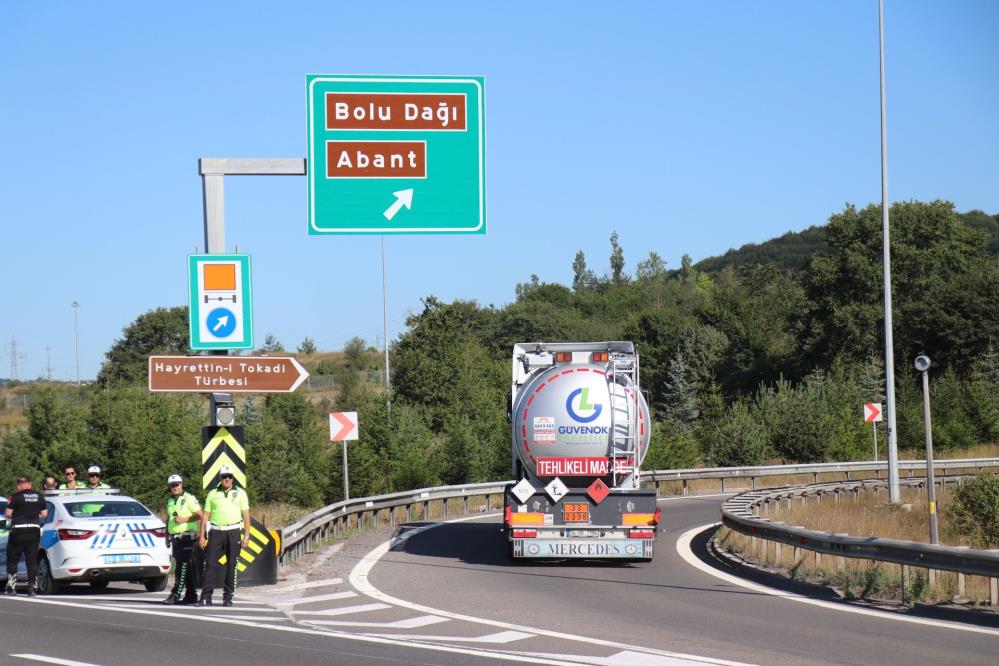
183, 516
71, 482
94, 478
26, 509
228, 511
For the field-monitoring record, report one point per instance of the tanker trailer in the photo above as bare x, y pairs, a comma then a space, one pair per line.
580, 432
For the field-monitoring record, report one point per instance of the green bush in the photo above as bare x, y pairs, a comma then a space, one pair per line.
974, 511
738, 439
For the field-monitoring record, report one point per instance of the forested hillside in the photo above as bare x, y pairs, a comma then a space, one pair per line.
764, 354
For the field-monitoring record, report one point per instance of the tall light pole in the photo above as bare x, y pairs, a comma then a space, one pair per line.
76, 336
923, 365
893, 494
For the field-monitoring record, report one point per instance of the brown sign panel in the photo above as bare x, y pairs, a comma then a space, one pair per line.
376, 159
227, 374
395, 111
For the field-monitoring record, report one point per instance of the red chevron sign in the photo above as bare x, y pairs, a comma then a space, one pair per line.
872, 412
343, 426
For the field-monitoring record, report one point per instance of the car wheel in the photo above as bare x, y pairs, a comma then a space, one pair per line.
98, 585
44, 582
157, 584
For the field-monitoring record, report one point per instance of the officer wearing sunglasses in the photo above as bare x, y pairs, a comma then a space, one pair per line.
227, 510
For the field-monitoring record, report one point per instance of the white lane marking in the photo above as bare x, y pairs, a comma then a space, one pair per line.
279, 590
344, 610
410, 623
362, 638
185, 607
683, 548
498, 637
288, 603
52, 660
359, 581
255, 618
625, 658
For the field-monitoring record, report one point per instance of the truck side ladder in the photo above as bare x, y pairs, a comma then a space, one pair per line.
624, 436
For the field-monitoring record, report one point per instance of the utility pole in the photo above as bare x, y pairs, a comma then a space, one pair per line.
48, 364
76, 336
893, 493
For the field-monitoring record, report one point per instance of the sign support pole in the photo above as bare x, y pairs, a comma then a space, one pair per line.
874, 427
346, 482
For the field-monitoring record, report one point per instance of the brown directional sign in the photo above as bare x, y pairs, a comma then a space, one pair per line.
228, 374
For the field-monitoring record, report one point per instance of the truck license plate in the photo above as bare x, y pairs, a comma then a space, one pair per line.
576, 513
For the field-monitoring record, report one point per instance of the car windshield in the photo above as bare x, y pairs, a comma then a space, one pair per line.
105, 509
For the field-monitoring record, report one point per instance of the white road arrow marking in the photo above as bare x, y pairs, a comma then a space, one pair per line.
221, 323
402, 198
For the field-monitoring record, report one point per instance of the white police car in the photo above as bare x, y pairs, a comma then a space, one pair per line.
98, 537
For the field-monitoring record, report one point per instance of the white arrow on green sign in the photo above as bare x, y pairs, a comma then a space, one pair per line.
396, 154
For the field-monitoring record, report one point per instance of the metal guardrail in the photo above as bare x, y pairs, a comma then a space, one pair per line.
331, 521
739, 513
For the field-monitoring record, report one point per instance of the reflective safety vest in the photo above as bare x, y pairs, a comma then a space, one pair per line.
226, 508
185, 507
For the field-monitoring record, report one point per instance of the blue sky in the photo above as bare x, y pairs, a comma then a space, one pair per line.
687, 127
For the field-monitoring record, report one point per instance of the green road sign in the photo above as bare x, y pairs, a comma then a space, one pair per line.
221, 304
396, 154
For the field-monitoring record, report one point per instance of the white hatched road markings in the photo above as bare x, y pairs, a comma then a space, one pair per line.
52, 660
499, 637
345, 610
282, 603
411, 623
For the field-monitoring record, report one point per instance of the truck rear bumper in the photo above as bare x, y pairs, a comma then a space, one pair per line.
598, 549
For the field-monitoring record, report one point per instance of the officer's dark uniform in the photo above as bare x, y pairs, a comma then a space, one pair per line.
25, 532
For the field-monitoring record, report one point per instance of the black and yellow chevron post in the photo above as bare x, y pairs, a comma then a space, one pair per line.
221, 446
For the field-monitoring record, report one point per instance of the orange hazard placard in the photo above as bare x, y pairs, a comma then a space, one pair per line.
220, 277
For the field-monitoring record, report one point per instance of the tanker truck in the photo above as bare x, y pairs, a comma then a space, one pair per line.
580, 430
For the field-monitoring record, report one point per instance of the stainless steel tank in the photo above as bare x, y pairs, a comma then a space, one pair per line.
569, 421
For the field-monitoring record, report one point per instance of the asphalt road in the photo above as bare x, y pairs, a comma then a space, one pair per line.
449, 595
666, 604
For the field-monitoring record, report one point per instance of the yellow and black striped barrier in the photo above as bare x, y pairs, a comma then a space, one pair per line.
223, 446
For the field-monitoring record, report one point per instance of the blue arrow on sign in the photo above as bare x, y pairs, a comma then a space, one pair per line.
221, 322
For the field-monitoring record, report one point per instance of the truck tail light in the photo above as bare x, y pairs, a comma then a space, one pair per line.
563, 357
641, 534
600, 357
525, 534
75, 535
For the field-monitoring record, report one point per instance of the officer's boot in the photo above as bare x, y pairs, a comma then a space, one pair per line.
206, 600
170, 600
31, 588
11, 584
227, 600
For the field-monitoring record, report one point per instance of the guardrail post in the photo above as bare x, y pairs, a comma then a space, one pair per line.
905, 583
445, 508
392, 516
723, 484
752, 481
962, 585
426, 510
932, 576
684, 492
466, 505
994, 591
777, 553
409, 516
815, 477
818, 559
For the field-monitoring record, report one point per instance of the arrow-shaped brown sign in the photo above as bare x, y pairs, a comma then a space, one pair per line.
228, 374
